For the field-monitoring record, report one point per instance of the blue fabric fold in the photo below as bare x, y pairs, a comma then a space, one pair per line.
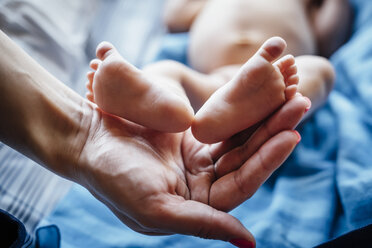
322, 191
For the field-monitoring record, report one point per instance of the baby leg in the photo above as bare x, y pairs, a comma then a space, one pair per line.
119, 88
316, 79
257, 90
198, 86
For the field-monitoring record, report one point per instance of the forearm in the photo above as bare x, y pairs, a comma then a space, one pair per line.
332, 25
180, 14
41, 117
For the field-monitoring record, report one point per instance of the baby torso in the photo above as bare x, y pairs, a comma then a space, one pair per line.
228, 32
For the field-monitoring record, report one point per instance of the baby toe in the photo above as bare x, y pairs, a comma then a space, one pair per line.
272, 49
290, 92
104, 49
285, 63
89, 96
292, 80
94, 64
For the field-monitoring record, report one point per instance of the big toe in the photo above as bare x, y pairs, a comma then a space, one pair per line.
272, 49
104, 49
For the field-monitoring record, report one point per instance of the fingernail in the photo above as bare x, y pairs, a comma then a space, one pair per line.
298, 136
241, 243
309, 104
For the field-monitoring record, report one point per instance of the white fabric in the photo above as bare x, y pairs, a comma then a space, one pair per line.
62, 35
52, 32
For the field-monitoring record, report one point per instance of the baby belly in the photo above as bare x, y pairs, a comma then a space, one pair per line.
224, 34
210, 50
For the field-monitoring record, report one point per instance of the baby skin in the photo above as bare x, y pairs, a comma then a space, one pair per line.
158, 100
119, 88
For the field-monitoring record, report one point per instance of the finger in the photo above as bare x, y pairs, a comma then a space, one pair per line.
174, 215
197, 219
286, 118
136, 226
293, 107
241, 184
219, 149
131, 222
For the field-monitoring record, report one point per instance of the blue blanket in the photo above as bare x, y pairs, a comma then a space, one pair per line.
322, 191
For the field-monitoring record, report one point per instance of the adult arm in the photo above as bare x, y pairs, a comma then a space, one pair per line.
111, 157
40, 117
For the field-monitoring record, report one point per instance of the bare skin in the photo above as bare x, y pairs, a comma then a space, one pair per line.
120, 88
156, 183
310, 27
159, 101
219, 62
316, 27
258, 89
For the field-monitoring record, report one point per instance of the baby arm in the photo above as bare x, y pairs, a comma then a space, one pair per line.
316, 79
180, 14
331, 21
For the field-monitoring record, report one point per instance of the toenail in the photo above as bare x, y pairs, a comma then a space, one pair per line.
308, 103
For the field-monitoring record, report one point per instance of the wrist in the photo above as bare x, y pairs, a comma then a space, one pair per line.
44, 119
57, 129
64, 137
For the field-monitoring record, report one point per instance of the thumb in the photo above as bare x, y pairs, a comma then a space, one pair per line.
201, 220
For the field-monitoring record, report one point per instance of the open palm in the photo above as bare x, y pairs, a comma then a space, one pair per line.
161, 183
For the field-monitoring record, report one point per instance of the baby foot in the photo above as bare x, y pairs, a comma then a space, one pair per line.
259, 88
119, 88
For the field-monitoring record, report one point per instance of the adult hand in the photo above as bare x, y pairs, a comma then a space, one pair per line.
161, 183
156, 183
